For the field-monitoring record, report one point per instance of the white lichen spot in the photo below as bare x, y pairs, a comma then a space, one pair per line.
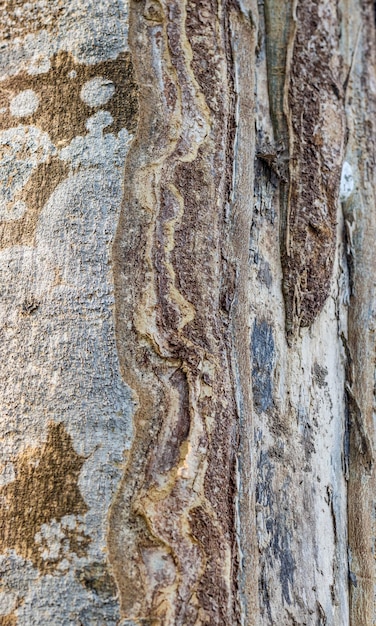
12, 212
97, 148
50, 540
347, 182
22, 149
72, 74
98, 122
69, 522
97, 91
64, 565
8, 601
24, 104
40, 64
7, 474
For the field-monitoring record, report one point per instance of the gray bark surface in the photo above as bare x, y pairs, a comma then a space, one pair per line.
187, 336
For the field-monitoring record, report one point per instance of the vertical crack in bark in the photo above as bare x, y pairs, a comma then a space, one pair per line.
172, 523
236, 291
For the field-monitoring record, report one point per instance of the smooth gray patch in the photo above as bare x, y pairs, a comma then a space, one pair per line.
273, 507
262, 351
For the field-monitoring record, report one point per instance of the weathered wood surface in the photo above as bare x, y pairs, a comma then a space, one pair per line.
187, 312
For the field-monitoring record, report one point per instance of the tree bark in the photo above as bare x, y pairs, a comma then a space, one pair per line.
187, 227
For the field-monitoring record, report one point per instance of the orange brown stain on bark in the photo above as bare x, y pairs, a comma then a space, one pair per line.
61, 112
45, 489
63, 115
8, 620
35, 193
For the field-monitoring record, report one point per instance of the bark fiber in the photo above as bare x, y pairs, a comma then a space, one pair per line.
187, 312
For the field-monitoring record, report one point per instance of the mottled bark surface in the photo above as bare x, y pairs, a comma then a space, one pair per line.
172, 537
187, 225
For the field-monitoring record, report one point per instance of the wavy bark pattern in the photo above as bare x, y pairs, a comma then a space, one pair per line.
171, 537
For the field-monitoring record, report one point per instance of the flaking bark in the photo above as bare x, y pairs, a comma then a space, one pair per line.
187, 312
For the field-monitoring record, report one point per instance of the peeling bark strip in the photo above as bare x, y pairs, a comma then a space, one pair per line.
237, 293
307, 108
171, 535
316, 124
359, 213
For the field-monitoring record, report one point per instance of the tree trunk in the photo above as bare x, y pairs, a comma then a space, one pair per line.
188, 314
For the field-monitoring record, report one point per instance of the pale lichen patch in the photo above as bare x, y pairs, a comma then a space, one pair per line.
347, 182
24, 104
97, 91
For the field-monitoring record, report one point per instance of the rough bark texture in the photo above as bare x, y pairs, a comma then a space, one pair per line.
359, 215
187, 332
172, 540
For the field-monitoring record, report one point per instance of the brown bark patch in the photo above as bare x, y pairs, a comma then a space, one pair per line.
306, 100
45, 489
212, 591
61, 111
317, 132
202, 32
8, 620
63, 114
36, 192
